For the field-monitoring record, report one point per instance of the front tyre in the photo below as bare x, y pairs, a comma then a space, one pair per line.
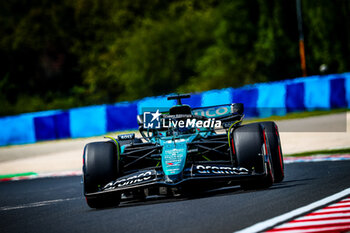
100, 166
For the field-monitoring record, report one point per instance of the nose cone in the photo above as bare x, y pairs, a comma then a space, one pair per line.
174, 157
173, 178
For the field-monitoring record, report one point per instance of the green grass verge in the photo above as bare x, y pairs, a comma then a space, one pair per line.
325, 152
297, 115
17, 175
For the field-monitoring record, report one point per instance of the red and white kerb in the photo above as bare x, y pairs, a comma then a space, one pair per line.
333, 218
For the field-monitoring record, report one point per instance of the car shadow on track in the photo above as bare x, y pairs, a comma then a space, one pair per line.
183, 197
152, 200
225, 191
289, 184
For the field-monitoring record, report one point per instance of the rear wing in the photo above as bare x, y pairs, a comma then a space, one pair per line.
219, 111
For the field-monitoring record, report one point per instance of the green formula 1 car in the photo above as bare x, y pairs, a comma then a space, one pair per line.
183, 151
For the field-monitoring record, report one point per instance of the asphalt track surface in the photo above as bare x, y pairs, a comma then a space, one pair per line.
57, 205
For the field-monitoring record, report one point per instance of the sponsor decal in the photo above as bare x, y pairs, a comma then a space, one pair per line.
220, 170
129, 136
228, 124
131, 180
213, 112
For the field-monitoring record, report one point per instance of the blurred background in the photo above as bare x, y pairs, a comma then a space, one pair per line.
64, 54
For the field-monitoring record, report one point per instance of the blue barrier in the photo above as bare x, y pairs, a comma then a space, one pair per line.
347, 87
317, 92
216, 97
52, 127
17, 130
338, 92
264, 99
271, 100
295, 97
20, 129
121, 116
195, 101
88, 121
249, 97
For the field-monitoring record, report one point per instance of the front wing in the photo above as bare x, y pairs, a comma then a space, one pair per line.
197, 173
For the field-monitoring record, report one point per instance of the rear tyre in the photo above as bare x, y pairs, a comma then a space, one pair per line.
276, 149
251, 148
101, 166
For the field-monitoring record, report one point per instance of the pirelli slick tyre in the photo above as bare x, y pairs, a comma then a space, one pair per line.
251, 149
275, 148
100, 166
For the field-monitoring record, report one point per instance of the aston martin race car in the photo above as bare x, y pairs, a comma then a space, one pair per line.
182, 151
